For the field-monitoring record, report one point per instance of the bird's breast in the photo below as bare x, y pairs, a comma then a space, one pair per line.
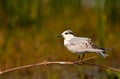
66, 42
69, 46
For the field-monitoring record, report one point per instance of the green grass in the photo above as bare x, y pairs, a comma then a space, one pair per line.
28, 32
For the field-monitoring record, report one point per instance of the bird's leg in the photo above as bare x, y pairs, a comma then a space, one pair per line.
82, 56
78, 56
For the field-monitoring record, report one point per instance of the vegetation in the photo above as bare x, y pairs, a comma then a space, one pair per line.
28, 32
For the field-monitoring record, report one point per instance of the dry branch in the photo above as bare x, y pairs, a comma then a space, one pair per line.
61, 63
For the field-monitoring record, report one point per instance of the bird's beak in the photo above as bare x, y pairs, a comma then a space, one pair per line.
59, 35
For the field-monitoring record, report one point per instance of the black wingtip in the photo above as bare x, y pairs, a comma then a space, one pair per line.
106, 48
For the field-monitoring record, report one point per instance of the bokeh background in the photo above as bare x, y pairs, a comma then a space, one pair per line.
28, 30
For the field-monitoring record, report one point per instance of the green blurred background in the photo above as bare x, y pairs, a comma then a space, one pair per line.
28, 30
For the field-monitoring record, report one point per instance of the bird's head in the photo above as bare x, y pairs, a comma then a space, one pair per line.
66, 34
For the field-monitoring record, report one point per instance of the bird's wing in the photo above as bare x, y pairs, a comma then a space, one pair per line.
82, 43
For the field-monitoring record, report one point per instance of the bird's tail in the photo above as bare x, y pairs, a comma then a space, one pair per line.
103, 53
105, 49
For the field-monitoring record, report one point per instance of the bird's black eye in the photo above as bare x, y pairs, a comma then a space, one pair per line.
66, 33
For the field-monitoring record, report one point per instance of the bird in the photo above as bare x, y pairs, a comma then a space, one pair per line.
81, 45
